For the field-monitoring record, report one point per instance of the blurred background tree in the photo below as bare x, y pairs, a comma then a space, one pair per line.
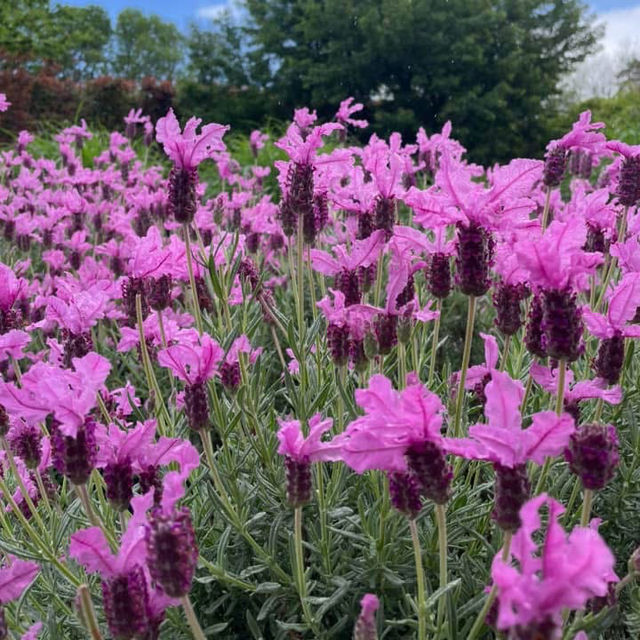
493, 67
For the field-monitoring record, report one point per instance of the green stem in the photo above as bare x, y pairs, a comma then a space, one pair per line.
322, 515
562, 371
81, 490
87, 612
192, 619
23, 489
421, 599
505, 353
545, 212
45, 547
441, 518
434, 343
42, 490
192, 280
300, 577
300, 280
480, 618
466, 354
599, 407
586, 508
402, 365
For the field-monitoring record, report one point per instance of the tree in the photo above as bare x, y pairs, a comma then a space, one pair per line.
146, 46
491, 66
83, 34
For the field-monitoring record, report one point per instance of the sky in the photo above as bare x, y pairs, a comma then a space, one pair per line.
596, 76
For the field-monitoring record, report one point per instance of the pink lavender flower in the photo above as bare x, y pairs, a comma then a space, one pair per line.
509, 447
346, 110
187, 148
365, 628
4, 103
194, 364
256, 141
563, 572
613, 328
299, 452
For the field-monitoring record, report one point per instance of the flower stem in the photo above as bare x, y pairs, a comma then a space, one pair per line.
192, 280
562, 371
545, 212
441, 518
586, 508
505, 353
42, 490
87, 612
300, 279
402, 366
422, 602
300, 577
480, 618
466, 354
192, 619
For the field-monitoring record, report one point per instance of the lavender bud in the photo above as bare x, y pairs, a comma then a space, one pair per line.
573, 409
561, 325
367, 276
404, 491
629, 182
76, 345
230, 375
287, 217
545, 630
9, 319
205, 301
555, 164
473, 261
253, 242
438, 274
348, 283
479, 389
196, 405
407, 294
365, 627
76, 457
610, 358
321, 211
172, 553
299, 201
506, 301
384, 215
338, 343
533, 332
596, 240
385, 327
130, 289
512, 491
118, 476
150, 478
4, 421
159, 296
26, 443
370, 345
592, 454
365, 225
298, 475
126, 602
429, 465
358, 355
182, 194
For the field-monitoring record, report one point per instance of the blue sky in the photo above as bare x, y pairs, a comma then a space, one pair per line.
183, 11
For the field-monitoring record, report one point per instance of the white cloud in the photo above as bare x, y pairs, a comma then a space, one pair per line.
212, 11
596, 76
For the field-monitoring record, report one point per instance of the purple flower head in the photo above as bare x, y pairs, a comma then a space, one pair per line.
393, 421
503, 440
346, 110
592, 454
15, 577
4, 103
564, 571
193, 363
187, 149
365, 627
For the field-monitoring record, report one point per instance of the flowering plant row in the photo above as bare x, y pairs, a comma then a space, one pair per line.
239, 402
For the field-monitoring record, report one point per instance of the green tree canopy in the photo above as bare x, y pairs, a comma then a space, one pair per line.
146, 46
491, 66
